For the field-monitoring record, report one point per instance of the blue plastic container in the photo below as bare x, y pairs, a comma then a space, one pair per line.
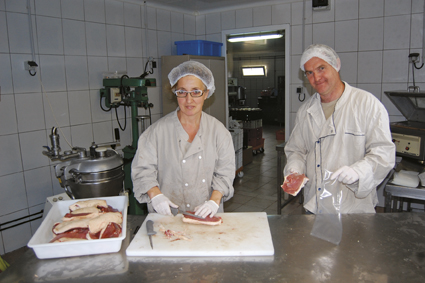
199, 47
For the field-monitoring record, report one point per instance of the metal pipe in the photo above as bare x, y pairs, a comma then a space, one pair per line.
30, 30
17, 219
134, 124
423, 37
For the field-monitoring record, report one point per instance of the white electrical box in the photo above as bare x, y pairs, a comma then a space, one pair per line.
115, 95
407, 144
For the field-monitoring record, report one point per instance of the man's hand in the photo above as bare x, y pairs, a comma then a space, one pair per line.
345, 175
208, 208
162, 204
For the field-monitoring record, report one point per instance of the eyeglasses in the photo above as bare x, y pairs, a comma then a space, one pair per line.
183, 93
318, 71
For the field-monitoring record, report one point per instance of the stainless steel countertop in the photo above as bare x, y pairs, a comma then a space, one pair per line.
385, 247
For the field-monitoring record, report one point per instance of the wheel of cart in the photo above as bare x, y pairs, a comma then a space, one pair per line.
259, 148
239, 172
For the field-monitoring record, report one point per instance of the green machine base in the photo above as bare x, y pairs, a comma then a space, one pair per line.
135, 208
134, 95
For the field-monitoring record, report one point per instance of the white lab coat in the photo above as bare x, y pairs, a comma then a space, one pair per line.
356, 135
187, 180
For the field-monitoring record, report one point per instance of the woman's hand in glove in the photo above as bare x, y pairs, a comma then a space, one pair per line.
162, 204
208, 208
345, 175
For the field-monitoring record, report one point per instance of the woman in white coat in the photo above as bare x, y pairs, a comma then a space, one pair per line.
186, 159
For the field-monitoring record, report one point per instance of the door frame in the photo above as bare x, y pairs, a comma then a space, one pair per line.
286, 27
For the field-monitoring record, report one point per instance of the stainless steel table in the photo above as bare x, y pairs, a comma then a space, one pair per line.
394, 192
386, 247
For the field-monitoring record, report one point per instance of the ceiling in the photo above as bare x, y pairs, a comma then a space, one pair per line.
202, 6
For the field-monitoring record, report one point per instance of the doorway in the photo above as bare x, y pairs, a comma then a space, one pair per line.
276, 81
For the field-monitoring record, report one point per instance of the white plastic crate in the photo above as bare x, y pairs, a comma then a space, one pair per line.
237, 137
238, 158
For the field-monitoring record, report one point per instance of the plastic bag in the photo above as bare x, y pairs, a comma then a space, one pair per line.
327, 225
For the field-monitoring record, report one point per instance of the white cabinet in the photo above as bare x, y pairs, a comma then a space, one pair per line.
216, 105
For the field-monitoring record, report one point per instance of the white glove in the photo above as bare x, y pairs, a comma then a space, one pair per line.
162, 204
208, 208
345, 175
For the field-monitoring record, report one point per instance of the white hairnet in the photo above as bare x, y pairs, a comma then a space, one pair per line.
323, 52
193, 68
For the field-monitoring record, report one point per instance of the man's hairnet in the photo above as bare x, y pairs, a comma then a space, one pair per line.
323, 52
193, 68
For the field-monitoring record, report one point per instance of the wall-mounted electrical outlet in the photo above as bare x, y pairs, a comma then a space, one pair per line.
413, 57
30, 65
299, 89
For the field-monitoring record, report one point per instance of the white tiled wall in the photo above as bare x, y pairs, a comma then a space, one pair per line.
76, 41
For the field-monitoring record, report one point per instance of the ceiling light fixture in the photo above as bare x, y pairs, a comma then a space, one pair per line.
251, 37
254, 71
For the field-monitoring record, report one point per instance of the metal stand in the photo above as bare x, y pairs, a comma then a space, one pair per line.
281, 162
394, 192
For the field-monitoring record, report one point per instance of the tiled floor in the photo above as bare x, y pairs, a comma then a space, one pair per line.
257, 189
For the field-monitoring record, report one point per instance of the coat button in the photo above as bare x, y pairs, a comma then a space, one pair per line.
186, 184
188, 205
184, 161
200, 157
203, 180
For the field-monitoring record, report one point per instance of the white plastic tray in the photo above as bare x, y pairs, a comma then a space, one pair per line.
43, 249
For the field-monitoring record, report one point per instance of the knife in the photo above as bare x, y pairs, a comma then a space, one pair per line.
149, 228
174, 211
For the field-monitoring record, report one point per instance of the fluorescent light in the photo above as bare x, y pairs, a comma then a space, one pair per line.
254, 37
253, 71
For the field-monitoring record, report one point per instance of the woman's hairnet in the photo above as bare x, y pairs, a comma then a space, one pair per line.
193, 68
323, 52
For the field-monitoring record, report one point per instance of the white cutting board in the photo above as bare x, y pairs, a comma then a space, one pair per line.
240, 234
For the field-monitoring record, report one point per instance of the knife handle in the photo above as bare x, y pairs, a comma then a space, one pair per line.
149, 227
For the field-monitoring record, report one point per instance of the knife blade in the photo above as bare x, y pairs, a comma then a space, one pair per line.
174, 211
149, 228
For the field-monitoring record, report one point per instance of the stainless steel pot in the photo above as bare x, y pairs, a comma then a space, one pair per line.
92, 176
238, 91
241, 93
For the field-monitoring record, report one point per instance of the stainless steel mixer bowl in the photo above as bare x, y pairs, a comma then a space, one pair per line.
97, 184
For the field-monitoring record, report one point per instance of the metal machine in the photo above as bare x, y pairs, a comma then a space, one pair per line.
129, 92
87, 174
236, 96
409, 136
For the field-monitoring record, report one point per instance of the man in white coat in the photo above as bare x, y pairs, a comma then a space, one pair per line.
341, 135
